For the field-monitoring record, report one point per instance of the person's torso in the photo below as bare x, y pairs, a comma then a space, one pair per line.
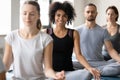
28, 56
115, 39
62, 51
91, 42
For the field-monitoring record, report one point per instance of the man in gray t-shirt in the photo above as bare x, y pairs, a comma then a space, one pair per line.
91, 41
92, 38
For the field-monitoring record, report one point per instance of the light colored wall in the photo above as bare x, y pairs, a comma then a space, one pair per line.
14, 21
15, 5
101, 7
79, 8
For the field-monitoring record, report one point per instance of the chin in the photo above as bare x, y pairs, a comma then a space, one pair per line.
91, 19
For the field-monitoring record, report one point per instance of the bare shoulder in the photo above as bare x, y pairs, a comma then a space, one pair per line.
75, 34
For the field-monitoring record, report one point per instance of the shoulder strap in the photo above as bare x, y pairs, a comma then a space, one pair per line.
49, 31
70, 32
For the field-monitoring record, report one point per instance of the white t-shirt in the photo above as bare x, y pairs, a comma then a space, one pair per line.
28, 55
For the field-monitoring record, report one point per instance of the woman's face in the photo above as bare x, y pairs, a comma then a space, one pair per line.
30, 15
110, 15
60, 18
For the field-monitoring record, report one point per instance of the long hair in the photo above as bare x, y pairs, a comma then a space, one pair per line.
115, 10
35, 3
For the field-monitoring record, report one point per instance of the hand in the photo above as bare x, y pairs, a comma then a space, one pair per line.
118, 62
95, 73
60, 75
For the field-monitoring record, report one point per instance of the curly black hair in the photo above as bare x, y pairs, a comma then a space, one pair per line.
66, 7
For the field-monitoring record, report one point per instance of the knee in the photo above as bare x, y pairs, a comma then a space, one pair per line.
113, 71
86, 75
79, 75
77, 65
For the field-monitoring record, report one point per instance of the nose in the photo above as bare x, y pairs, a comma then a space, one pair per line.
90, 13
60, 17
28, 16
110, 15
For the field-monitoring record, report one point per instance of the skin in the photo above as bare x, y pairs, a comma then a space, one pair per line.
2, 76
90, 14
111, 22
30, 16
112, 29
60, 31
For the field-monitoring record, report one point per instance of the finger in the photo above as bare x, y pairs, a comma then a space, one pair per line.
96, 74
63, 74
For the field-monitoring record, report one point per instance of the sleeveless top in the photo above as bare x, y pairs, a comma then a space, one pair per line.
115, 40
62, 51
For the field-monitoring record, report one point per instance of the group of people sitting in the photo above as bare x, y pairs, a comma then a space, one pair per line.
29, 48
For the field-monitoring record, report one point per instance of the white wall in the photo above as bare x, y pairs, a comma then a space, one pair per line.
14, 21
15, 5
101, 7
79, 8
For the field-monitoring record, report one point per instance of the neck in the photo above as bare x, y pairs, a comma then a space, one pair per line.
60, 28
90, 24
112, 24
28, 33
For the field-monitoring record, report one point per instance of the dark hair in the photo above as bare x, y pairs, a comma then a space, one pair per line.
35, 3
91, 4
66, 7
115, 10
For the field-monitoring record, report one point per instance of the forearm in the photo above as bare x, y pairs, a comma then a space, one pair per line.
50, 73
114, 54
8, 56
83, 61
7, 64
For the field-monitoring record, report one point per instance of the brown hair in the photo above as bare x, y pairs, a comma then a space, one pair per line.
115, 10
35, 3
91, 4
